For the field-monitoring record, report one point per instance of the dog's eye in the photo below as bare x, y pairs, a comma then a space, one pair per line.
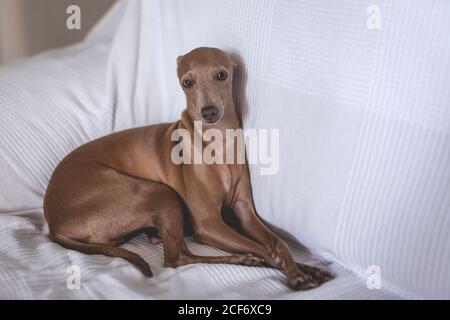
187, 83
222, 75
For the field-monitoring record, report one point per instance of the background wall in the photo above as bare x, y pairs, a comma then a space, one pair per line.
31, 26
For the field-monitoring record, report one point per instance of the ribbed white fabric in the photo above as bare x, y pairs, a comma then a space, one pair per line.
364, 128
363, 114
33, 267
49, 105
396, 211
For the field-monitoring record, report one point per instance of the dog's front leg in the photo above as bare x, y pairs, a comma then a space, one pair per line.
217, 233
299, 276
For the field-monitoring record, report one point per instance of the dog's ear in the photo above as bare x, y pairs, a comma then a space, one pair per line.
235, 60
179, 60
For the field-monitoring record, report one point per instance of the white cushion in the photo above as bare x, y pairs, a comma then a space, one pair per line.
49, 105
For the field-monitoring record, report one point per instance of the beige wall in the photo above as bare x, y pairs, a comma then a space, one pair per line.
31, 26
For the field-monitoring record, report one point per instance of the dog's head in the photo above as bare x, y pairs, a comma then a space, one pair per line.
206, 74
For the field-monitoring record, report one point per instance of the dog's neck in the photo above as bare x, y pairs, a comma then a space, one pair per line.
197, 129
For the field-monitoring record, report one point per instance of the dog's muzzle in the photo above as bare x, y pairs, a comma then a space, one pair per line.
210, 114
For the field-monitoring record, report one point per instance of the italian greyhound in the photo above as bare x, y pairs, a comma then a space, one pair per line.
126, 182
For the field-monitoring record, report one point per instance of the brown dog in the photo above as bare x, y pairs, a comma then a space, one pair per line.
127, 182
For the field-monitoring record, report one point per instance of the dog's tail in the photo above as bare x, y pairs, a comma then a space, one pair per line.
107, 250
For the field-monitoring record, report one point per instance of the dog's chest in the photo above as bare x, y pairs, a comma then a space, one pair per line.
229, 177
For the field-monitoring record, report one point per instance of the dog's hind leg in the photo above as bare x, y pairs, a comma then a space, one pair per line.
176, 252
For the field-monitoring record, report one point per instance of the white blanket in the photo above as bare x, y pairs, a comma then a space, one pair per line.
359, 91
363, 115
49, 105
33, 267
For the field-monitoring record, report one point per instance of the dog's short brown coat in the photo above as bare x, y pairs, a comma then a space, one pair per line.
125, 182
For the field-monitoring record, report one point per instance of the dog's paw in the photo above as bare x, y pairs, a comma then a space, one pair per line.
308, 277
317, 274
250, 260
302, 281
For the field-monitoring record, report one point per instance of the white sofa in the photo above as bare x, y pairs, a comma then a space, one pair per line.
363, 109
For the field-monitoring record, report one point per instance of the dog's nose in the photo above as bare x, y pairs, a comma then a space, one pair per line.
210, 114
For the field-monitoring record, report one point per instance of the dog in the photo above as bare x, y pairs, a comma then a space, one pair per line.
126, 182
